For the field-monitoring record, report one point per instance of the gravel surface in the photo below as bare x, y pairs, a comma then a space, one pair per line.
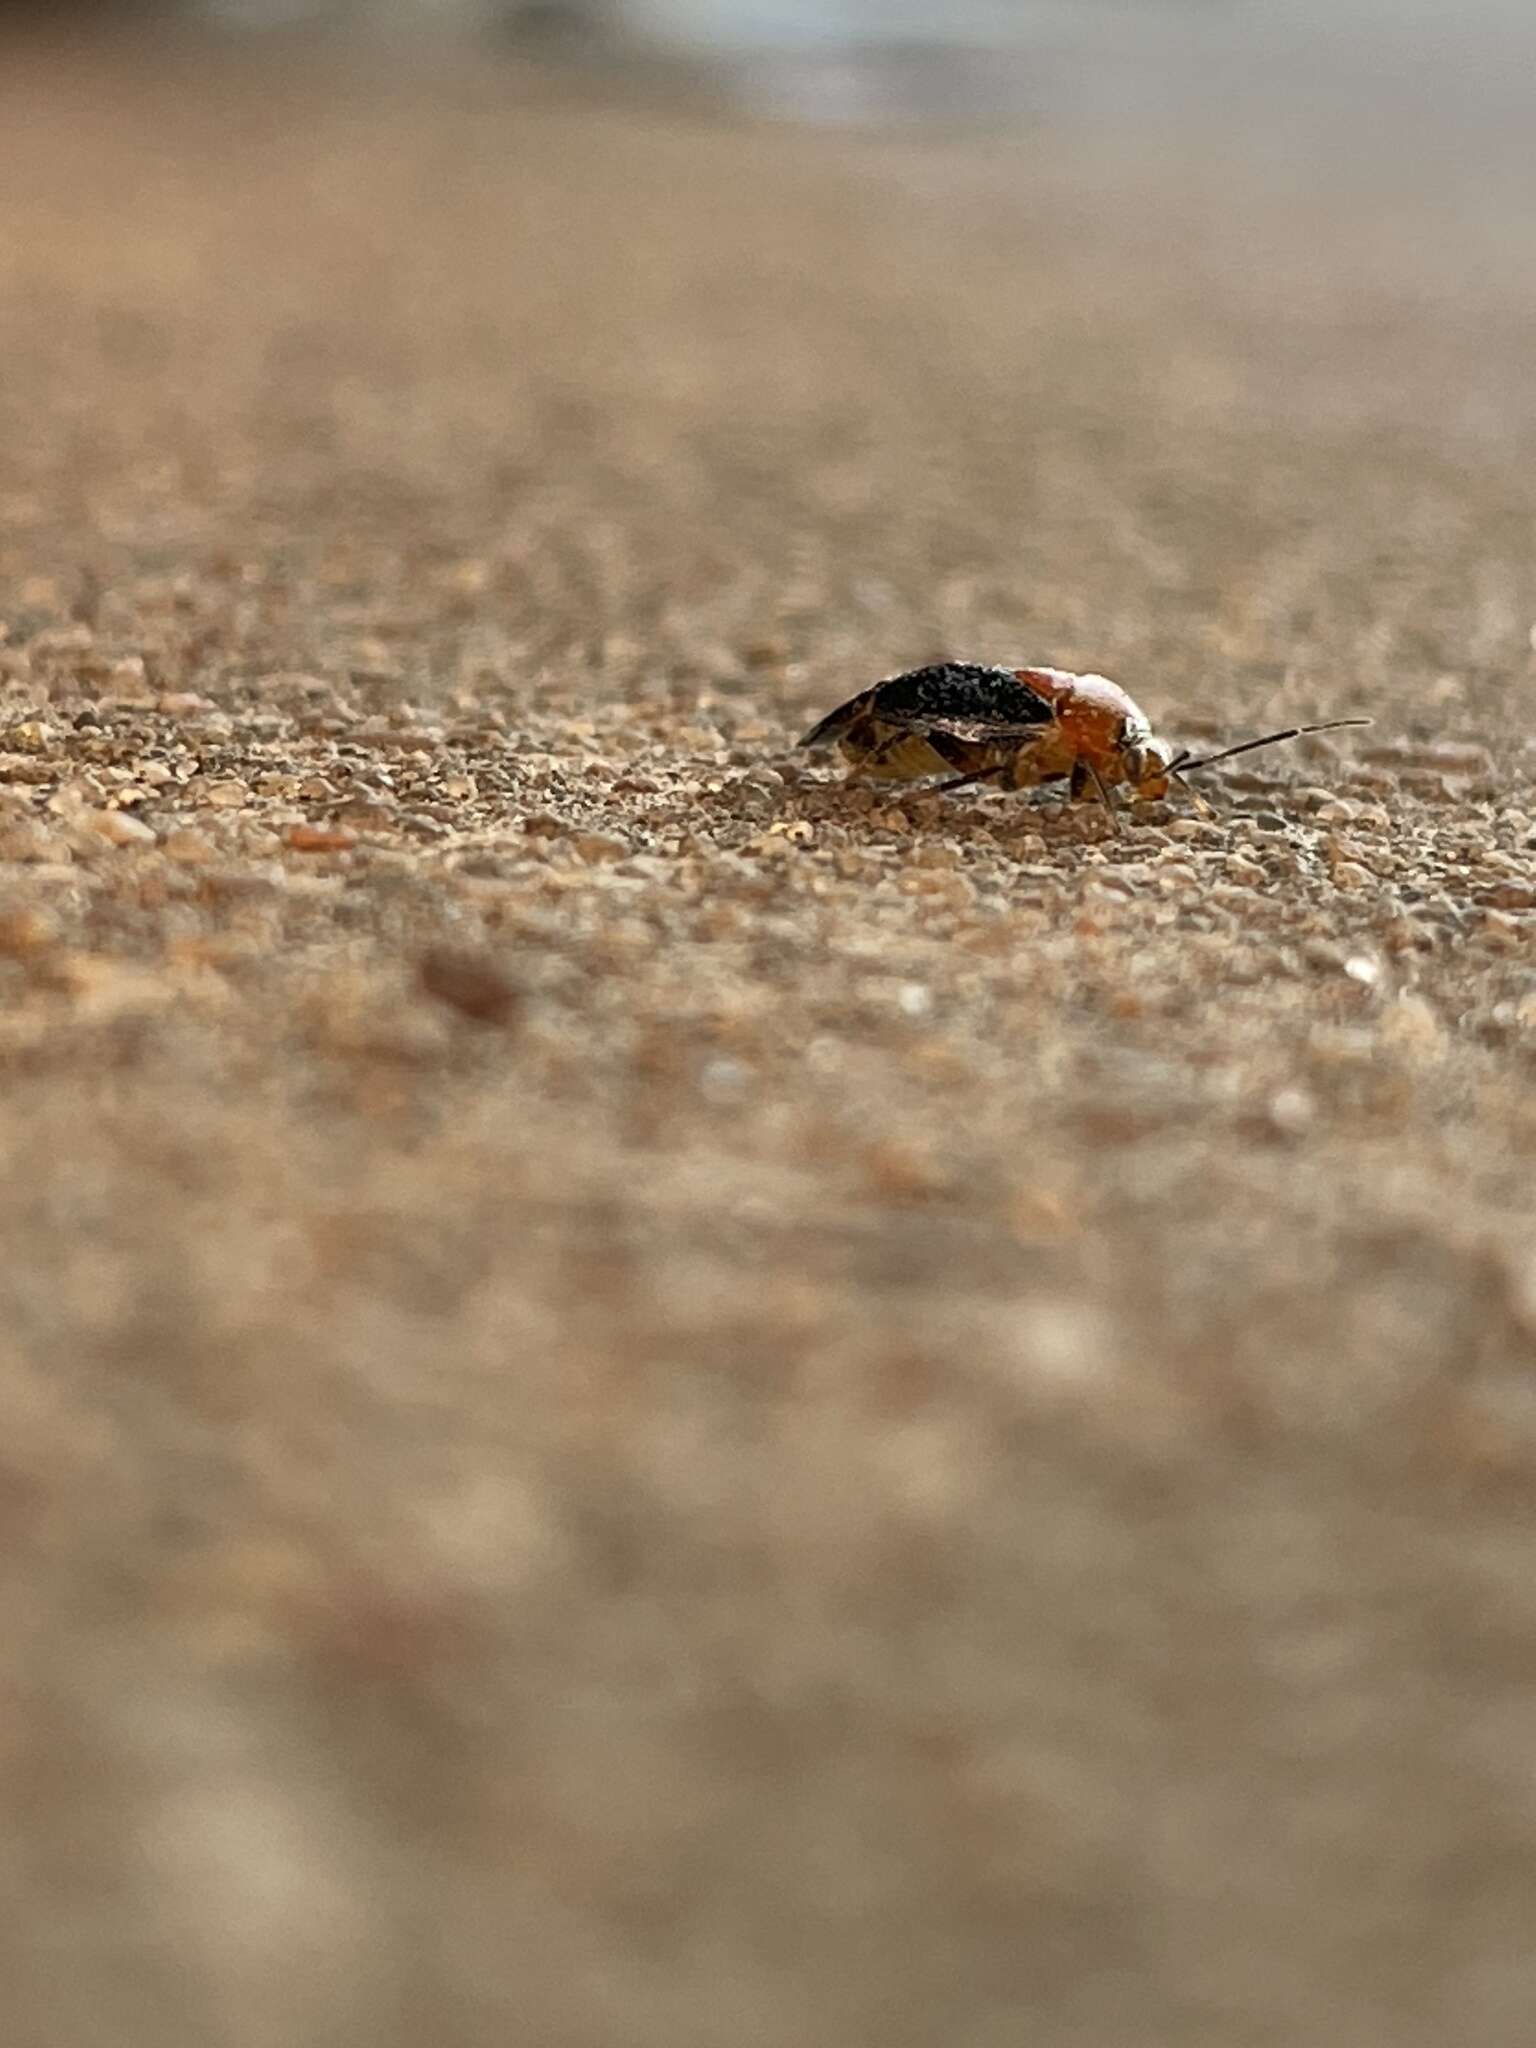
651, 1400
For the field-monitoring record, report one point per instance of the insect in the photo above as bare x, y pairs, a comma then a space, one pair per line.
1016, 728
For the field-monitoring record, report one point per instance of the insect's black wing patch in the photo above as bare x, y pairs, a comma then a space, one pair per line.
963, 698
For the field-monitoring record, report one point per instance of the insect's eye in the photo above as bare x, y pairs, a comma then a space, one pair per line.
1146, 767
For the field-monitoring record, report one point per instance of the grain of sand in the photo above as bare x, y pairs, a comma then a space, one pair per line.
649, 1401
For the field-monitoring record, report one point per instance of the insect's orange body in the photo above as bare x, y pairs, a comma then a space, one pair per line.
1015, 728
1099, 726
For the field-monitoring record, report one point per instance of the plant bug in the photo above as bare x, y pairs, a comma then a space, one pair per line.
1017, 728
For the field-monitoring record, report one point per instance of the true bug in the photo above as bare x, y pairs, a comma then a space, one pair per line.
1016, 728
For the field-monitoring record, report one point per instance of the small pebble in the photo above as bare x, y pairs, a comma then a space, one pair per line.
471, 983
120, 828
319, 839
595, 848
190, 848
1292, 1112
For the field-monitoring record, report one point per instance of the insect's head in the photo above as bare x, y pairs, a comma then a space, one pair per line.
1148, 763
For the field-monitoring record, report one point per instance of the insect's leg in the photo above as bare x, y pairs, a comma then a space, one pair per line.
1093, 776
965, 781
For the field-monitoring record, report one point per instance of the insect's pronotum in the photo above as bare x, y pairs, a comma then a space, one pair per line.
1016, 728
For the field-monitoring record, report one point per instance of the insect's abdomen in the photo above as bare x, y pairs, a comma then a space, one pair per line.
894, 756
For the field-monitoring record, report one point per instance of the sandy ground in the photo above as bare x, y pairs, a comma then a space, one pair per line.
649, 1402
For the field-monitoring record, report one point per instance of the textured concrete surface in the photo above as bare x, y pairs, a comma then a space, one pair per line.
649, 1401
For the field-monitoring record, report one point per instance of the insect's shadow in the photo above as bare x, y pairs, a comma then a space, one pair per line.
930, 811
1024, 824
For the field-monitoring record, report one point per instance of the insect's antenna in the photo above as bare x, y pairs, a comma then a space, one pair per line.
1182, 765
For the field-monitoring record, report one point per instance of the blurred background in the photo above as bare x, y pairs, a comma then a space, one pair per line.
648, 1402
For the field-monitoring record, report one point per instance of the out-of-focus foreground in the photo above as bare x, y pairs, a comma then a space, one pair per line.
648, 1403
